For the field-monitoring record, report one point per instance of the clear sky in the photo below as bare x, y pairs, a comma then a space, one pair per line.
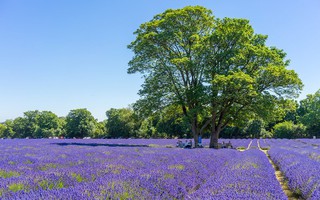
59, 55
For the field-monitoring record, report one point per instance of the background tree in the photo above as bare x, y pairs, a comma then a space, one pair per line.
167, 123
2, 130
101, 130
309, 113
61, 131
121, 123
21, 128
172, 123
147, 128
47, 125
254, 128
80, 123
217, 70
31, 123
289, 130
8, 132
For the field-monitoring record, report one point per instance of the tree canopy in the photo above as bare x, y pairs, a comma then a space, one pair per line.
217, 70
80, 123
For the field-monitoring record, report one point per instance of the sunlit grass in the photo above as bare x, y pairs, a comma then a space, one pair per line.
5, 174
16, 187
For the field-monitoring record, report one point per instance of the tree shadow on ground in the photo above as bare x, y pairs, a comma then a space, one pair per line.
99, 144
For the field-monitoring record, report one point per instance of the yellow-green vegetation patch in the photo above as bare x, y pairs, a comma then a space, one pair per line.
177, 166
45, 184
63, 156
11, 162
16, 187
168, 176
124, 196
314, 156
241, 148
115, 169
127, 193
30, 154
48, 166
79, 162
265, 148
28, 162
245, 165
78, 177
154, 145
5, 174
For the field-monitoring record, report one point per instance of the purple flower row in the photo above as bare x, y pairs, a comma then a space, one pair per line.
300, 162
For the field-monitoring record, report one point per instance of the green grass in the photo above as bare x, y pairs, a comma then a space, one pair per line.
16, 187
4, 174
241, 148
48, 166
45, 184
78, 177
177, 166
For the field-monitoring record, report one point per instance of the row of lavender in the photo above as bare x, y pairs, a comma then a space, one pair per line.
130, 169
299, 160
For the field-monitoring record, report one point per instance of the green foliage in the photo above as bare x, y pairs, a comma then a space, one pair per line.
8, 174
171, 122
217, 70
21, 128
309, 113
8, 132
2, 130
100, 130
254, 128
33, 124
121, 123
168, 51
45, 184
80, 123
47, 125
78, 177
16, 187
289, 130
231, 132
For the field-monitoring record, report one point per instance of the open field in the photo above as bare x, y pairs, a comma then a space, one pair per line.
155, 169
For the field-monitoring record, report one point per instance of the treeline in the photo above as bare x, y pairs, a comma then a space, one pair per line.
300, 120
79, 123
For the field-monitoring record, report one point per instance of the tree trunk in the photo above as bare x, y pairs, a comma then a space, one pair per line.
214, 137
195, 132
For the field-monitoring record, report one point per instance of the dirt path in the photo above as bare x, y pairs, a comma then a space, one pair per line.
249, 145
281, 178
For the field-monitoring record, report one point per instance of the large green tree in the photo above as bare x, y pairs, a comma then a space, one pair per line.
246, 78
169, 53
80, 123
47, 125
22, 128
217, 70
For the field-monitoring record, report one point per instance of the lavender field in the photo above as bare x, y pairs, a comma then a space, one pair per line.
156, 169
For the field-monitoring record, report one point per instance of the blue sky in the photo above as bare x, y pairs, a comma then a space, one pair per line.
61, 55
